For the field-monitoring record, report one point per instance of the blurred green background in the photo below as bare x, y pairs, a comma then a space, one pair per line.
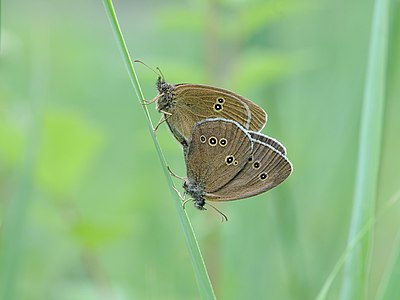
81, 184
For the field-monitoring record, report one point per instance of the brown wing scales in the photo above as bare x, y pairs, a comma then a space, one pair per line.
268, 140
266, 169
258, 115
218, 150
197, 102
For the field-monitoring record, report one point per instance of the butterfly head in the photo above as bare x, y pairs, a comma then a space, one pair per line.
166, 95
195, 190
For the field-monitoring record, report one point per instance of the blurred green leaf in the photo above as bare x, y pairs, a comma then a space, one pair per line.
96, 233
391, 288
69, 144
11, 143
258, 15
185, 20
257, 67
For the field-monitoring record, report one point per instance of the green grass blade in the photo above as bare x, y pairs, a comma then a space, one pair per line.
364, 231
203, 281
356, 264
336, 269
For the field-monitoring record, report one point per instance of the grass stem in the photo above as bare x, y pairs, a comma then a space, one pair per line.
203, 280
355, 274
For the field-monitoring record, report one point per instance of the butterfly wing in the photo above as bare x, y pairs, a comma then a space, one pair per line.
179, 125
217, 151
258, 117
194, 103
266, 169
268, 140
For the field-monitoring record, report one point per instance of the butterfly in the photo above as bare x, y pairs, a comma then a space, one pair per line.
226, 162
184, 104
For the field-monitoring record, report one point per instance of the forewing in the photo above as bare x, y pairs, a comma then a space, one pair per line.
214, 165
258, 116
273, 168
198, 102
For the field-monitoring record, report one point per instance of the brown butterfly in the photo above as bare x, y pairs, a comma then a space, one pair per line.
226, 162
184, 104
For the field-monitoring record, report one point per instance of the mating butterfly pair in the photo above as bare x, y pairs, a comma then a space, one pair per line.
226, 157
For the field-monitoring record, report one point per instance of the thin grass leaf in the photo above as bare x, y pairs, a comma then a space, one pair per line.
356, 265
365, 230
203, 280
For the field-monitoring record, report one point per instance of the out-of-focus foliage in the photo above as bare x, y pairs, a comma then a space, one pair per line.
98, 221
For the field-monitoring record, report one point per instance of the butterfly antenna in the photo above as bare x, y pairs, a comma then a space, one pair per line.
158, 69
162, 75
223, 216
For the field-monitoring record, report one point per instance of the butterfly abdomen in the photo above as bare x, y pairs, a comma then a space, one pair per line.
196, 191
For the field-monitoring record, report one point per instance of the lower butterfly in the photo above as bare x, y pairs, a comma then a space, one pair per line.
226, 162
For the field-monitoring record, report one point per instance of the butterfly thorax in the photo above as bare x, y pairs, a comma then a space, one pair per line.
166, 96
196, 191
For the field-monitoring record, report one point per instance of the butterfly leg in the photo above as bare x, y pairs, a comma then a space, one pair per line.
184, 202
174, 175
162, 120
147, 102
166, 112
180, 195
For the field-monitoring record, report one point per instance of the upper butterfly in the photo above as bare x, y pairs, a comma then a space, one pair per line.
184, 104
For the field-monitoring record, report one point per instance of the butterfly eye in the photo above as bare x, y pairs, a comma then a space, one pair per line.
221, 100
218, 107
235, 162
263, 176
203, 139
256, 164
212, 141
229, 159
223, 142
251, 158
